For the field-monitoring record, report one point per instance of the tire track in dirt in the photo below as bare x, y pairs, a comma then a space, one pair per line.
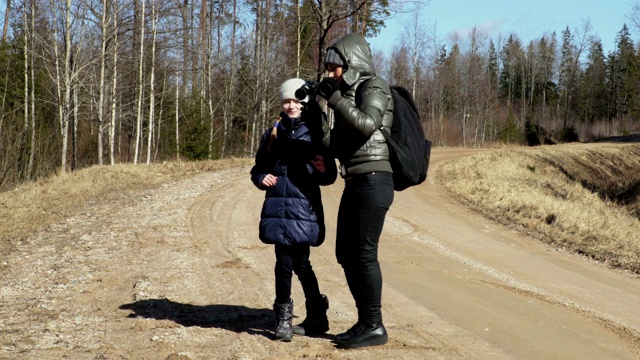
464, 264
618, 326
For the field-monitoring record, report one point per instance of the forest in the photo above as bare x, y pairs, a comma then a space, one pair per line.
102, 82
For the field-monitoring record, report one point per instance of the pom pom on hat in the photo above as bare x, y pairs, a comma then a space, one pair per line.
288, 89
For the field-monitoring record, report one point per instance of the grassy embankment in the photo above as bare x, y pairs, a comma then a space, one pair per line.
583, 198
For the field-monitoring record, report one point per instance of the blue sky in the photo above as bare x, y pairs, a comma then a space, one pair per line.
527, 19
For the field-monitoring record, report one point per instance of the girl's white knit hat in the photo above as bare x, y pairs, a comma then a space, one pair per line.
288, 89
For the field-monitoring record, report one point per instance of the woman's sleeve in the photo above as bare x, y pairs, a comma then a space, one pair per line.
318, 125
368, 117
326, 131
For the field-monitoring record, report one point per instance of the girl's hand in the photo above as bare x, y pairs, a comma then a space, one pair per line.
269, 180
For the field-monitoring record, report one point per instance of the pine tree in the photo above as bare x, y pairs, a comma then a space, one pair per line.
511, 76
624, 77
566, 81
369, 16
593, 86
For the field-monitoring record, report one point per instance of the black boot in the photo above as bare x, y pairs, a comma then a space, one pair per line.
316, 322
345, 335
284, 313
364, 335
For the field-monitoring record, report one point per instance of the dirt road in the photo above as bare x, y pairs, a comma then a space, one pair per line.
179, 273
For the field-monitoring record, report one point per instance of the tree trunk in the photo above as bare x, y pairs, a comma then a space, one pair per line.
33, 95
7, 16
114, 88
296, 3
186, 51
65, 86
26, 90
164, 86
154, 27
138, 134
74, 133
229, 88
101, 87
177, 118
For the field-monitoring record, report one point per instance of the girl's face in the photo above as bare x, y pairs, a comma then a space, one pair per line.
292, 107
335, 72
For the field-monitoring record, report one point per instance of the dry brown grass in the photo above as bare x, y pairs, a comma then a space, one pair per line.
579, 198
34, 205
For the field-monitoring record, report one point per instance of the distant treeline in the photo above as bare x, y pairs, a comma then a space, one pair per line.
86, 82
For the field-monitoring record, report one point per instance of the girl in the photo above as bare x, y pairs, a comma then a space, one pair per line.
291, 162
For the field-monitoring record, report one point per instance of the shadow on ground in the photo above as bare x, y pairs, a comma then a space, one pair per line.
235, 318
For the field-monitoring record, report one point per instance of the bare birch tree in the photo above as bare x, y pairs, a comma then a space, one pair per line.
177, 110
476, 80
208, 64
26, 83
32, 66
573, 47
63, 78
152, 80
114, 84
416, 38
138, 132
104, 23
185, 15
229, 82
65, 66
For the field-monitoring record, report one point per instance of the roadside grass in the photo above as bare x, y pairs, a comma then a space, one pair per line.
584, 198
34, 205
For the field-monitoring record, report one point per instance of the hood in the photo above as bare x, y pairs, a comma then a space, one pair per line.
356, 53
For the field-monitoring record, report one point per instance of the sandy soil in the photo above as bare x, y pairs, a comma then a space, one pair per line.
179, 273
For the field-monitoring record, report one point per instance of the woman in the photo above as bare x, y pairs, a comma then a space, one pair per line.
362, 104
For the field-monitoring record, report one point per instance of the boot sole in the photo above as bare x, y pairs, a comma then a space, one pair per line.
376, 341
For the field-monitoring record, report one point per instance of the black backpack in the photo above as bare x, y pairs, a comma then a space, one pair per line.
410, 149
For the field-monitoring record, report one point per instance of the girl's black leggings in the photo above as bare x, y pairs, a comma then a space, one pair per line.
290, 259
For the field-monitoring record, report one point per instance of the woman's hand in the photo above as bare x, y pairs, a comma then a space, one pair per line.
318, 163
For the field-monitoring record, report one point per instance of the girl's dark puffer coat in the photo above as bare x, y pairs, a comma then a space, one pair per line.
292, 212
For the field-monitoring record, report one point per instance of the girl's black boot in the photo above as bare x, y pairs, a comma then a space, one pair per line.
283, 328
